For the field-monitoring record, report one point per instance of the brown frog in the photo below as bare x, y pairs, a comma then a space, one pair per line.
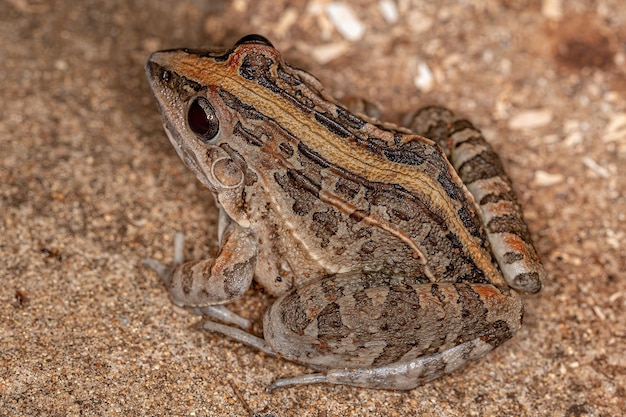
395, 258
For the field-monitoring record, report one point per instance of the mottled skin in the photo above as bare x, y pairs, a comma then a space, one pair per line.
387, 271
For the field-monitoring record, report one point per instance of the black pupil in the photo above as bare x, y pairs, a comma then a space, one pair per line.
202, 119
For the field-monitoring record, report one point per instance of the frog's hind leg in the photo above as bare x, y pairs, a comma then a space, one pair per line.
398, 376
480, 168
374, 330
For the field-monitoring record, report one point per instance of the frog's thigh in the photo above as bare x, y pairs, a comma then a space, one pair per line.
481, 170
390, 336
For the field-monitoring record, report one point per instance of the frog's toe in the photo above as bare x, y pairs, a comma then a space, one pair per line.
164, 271
239, 335
223, 314
179, 244
306, 379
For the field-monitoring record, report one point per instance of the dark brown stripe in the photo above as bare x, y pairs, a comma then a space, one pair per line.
497, 333
234, 103
312, 155
529, 281
292, 315
497, 197
300, 102
470, 223
450, 187
512, 257
349, 119
509, 223
247, 135
304, 183
291, 79
402, 156
482, 166
330, 326
332, 125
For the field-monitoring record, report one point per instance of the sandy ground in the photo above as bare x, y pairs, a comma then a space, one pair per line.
89, 185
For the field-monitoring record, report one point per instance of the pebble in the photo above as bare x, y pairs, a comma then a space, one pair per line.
323, 54
552, 9
389, 10
595, 167
546, 179
345, 21
424, 78
530, 119
616, 129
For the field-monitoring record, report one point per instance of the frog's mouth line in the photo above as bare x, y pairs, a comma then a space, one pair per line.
187, 156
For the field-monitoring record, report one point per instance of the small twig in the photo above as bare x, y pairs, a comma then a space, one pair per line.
240, 397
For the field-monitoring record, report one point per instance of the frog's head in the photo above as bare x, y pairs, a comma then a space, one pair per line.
209, 101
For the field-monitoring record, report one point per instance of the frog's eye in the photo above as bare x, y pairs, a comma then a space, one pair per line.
254, 39
202, 119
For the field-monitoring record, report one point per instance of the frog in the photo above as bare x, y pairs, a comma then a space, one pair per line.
394, 255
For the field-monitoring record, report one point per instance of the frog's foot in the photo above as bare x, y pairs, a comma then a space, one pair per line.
399, 376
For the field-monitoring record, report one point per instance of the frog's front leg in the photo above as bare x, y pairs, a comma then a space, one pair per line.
213, 281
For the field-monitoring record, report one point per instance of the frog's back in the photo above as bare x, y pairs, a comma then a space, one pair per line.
354, 193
